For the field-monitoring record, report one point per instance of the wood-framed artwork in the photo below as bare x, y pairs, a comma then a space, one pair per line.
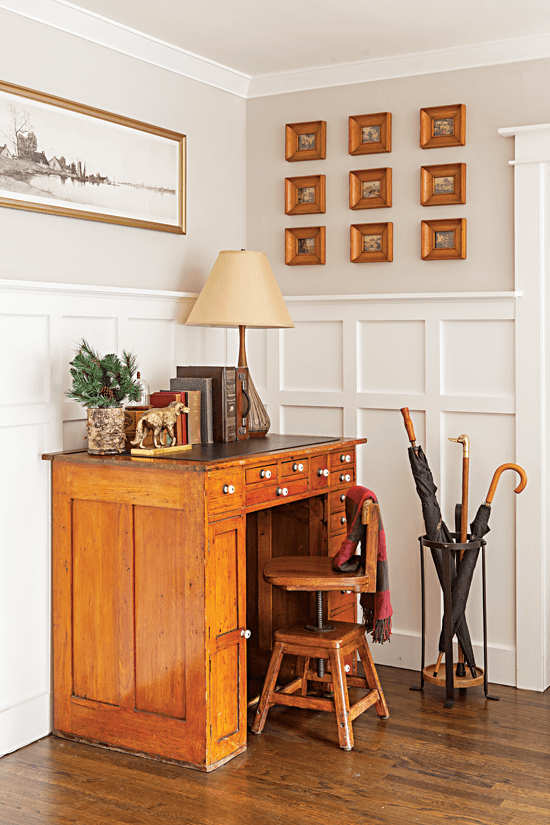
305, 194
369, 134
370, 188
444, 240
443, 184
305, 246
306, 141
65, 158
443, 126
371, 243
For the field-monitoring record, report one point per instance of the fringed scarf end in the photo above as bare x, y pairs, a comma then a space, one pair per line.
380, 628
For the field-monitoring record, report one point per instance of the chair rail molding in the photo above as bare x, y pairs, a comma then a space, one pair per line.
532, 248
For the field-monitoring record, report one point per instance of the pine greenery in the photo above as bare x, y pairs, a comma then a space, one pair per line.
103, 382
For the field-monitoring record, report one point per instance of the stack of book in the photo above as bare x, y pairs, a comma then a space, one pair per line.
224, 402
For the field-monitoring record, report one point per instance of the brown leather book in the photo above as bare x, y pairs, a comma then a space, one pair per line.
225, 387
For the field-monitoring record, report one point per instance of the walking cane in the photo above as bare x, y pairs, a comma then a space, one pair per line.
464, 440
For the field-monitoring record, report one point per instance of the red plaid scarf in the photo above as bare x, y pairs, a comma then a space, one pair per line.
377, 609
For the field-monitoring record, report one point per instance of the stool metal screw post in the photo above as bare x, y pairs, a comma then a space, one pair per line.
320, 628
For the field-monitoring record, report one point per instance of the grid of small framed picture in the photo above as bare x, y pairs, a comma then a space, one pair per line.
371, 188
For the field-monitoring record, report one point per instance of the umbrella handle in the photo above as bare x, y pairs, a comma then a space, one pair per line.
408, 425
498, 472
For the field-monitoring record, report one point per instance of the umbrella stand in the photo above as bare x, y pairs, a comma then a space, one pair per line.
430, 673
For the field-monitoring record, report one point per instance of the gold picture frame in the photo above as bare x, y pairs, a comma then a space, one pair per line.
371, 243
443, 126
370, 188
444, 240
305, 194
306, 141
305, 246
370, 134
443, 184
99, 167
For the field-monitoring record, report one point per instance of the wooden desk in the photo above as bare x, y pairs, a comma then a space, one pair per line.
153, 562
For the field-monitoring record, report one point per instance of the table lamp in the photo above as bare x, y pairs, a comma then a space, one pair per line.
241, 291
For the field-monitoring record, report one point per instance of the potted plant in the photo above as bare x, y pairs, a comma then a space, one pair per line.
101, 385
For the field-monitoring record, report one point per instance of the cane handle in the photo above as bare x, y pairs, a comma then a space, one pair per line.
408, 424
497, 475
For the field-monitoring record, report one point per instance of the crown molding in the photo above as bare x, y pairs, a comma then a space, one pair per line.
409, 65
66, 17
69, 18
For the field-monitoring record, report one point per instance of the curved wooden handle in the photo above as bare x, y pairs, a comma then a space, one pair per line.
498, 472
408, 424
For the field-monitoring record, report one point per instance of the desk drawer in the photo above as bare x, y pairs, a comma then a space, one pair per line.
341, 460
225, 490
337, 501
338, 523
342, 475
265, 495
294, 469
266, 474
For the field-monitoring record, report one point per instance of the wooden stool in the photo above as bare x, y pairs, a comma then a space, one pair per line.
322, 641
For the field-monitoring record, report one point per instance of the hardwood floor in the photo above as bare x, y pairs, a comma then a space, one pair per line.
481, 762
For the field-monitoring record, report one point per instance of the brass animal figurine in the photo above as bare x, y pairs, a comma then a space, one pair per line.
159, 420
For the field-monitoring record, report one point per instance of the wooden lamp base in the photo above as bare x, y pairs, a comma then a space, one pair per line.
258, 419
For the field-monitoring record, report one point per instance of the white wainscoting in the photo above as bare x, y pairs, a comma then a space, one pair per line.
39, 324
348, 367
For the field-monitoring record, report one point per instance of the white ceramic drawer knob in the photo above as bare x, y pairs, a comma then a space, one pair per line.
343, 497
282, 491
297, 468
265, 473
246, 633
345, 459
322, 473
347, 668
228, 489
343, 520
345, 477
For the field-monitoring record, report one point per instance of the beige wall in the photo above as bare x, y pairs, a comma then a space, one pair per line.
497, 96
39, 247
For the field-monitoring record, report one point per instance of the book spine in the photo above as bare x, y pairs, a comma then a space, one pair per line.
230, 408
193, 401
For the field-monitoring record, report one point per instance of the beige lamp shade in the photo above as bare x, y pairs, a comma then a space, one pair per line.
241, 290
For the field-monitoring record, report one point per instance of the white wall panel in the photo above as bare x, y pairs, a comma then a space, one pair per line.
391, 356
154, 341
312, 421
478, 357
24, 378
313, 356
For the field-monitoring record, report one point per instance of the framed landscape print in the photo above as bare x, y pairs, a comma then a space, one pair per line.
444, 240
305, 195
306, 141
65, 158
443, 184
371, 243
370, 188
305, 246
443, 126
370, 134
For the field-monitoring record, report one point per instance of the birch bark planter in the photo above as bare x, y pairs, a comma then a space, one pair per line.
105, 430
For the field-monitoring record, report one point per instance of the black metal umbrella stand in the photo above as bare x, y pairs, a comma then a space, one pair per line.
430, 673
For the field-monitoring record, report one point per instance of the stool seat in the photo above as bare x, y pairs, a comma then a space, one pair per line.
344, 634
314, 573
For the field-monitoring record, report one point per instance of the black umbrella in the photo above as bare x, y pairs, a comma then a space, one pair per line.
480, 525
436, 531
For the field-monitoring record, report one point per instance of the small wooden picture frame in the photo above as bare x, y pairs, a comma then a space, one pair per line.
444, 240
370, 134
305, 246
443, 184
370, 188
443, 126
305, 194
306, 141
371, 243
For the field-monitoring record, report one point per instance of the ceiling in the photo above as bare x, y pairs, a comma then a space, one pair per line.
257, 37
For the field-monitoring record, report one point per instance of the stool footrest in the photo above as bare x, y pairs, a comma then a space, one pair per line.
308, 702
364, 703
